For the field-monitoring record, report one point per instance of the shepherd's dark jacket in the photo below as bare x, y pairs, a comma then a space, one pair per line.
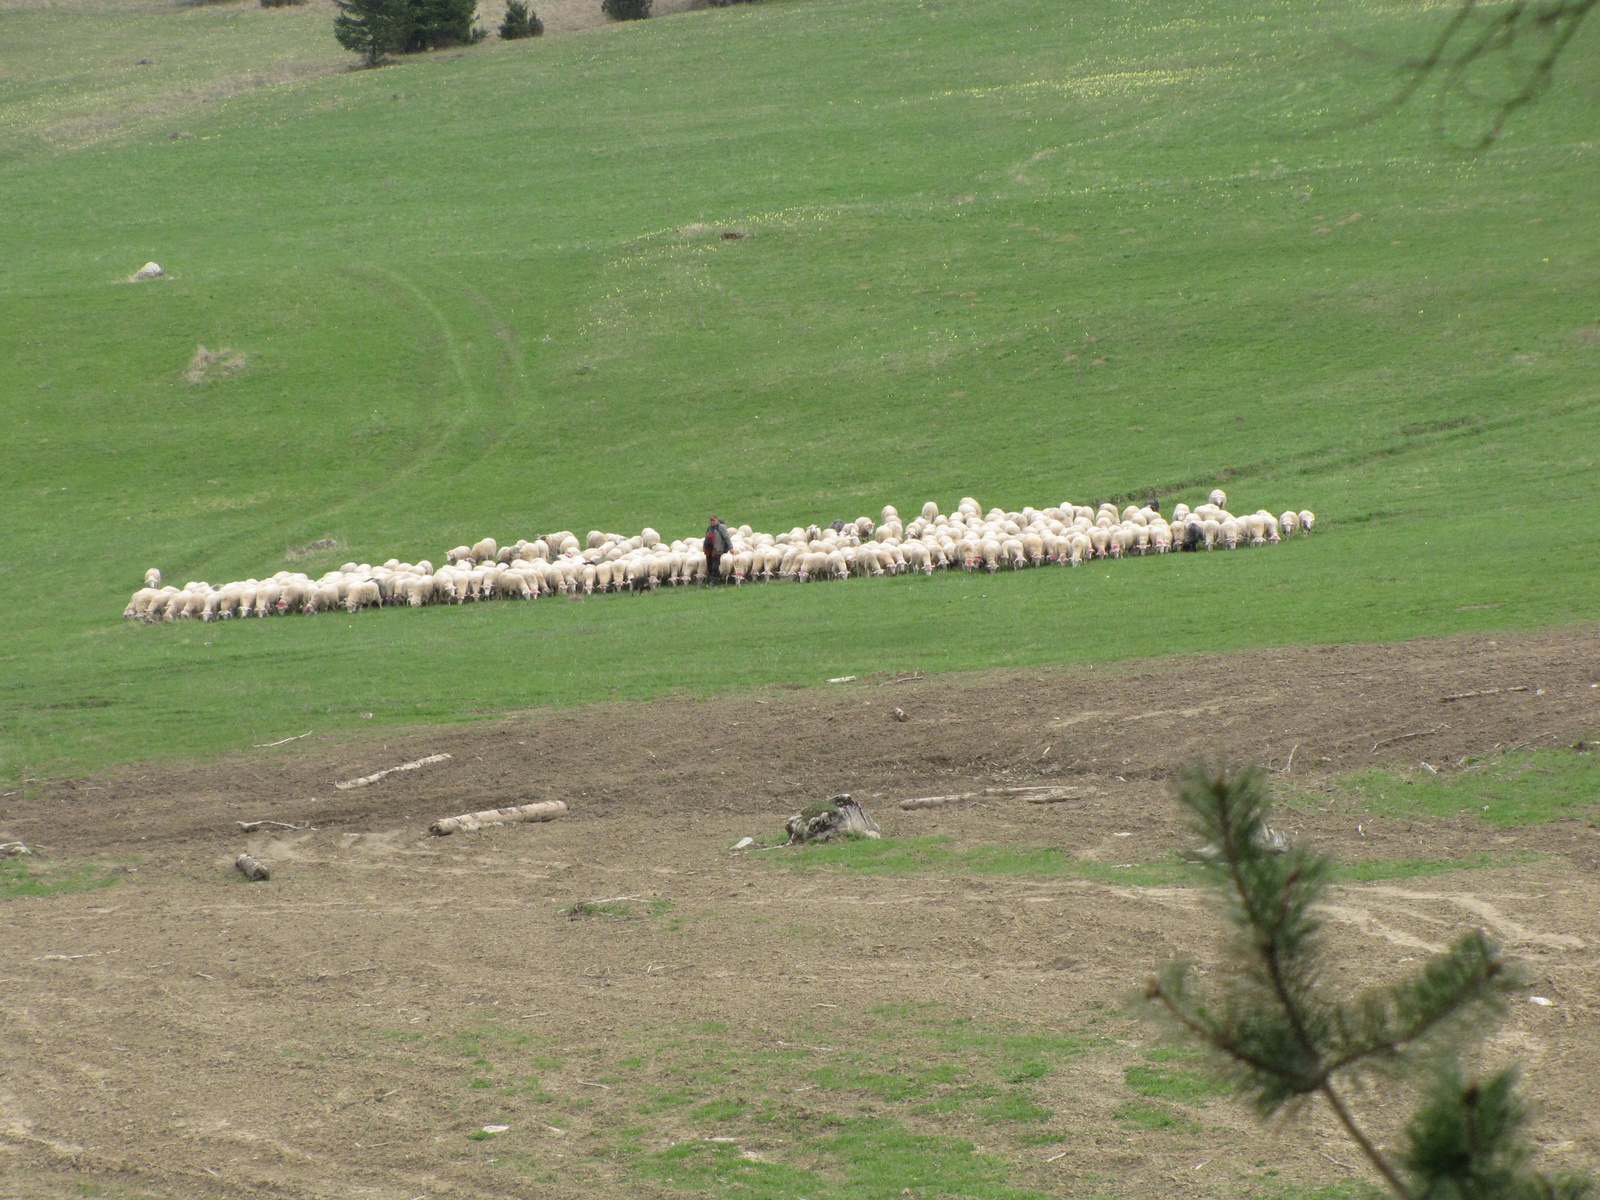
718, 540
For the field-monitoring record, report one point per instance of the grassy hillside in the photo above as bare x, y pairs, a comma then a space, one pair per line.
1014, 249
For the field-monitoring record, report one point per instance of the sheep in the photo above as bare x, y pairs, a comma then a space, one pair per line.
1307, 520
1218, 497
363, 594
968, 538
140, 602
152, 578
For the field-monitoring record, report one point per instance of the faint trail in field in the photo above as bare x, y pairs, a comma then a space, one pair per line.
438, 426
445, 329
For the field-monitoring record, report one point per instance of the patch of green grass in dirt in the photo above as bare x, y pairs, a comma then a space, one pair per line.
25, 876
865, 1159
1172, 1083
935, 855
1525, 787
844, 1107
1099, 216
1153, 1117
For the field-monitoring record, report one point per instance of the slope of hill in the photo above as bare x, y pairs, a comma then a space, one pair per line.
1003, 248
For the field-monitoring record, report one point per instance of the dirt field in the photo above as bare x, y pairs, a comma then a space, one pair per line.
344, 1029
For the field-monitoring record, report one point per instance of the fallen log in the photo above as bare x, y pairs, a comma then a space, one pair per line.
939, 801
1057, 797
1495, 691
542, 810
252, 868
367, 780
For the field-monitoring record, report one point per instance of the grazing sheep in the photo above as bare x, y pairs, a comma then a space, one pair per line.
363, 594
969, 538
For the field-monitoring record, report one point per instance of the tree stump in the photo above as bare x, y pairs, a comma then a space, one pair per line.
827, 819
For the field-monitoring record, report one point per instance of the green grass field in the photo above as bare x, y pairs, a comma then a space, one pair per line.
1015, 249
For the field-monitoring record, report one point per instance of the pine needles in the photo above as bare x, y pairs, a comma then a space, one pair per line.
1282, 1037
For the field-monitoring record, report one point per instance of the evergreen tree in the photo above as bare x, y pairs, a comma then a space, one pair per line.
1274, 1028
520, 22
626, 10
436, 23
372, 28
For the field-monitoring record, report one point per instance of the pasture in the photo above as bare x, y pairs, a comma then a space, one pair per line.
1020, 250
995, 249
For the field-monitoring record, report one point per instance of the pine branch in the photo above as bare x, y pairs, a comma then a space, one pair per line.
1281, 1038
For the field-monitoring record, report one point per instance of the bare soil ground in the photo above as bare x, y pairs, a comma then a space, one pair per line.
342, 1029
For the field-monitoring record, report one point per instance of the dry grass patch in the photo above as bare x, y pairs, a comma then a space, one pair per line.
208, 366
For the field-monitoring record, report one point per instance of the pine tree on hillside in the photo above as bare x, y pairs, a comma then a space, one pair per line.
436, 23
1274, 1028
520, 22
372, 28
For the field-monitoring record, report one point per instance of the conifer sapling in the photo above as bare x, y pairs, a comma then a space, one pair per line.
1278, 1031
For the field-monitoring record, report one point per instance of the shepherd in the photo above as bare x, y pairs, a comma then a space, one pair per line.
718, 543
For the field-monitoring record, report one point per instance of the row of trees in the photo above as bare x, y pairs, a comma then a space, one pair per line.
377, 28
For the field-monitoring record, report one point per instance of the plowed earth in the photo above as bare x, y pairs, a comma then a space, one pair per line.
342, 1029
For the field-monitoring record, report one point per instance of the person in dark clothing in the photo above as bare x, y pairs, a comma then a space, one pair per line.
718, 542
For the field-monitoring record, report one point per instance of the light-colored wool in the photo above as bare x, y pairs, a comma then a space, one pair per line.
970, 538
1218, 497
363, 594
139, 603
152, 577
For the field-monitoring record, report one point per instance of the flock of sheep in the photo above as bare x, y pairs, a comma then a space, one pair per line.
557, 563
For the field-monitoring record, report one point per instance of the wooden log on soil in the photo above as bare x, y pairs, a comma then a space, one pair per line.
252, 868
542, 810
368, 780
1059, 796
917, 802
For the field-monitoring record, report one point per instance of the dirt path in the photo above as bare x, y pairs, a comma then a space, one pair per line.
341, 1030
